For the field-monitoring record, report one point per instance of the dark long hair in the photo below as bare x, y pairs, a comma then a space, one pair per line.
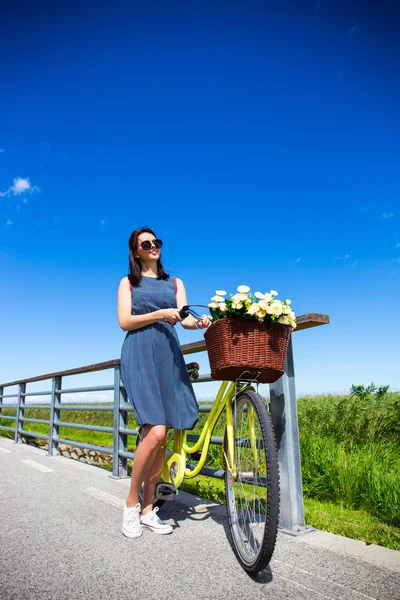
135, 265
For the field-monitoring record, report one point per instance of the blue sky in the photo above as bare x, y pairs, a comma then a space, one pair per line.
261, 142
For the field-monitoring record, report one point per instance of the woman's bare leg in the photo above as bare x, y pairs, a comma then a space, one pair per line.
153, 476
144, 458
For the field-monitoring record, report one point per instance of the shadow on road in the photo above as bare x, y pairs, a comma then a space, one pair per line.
181, 512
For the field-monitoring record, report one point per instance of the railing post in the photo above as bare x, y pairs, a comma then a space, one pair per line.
123, 438
20, 412
284, 419
1, 401
54, 415
119, 439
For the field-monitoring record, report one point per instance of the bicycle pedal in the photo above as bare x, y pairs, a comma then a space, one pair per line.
165, 491
195, 455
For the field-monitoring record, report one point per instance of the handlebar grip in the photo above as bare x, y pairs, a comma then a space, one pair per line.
184, 312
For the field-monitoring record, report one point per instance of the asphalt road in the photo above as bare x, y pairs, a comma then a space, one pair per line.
60, 538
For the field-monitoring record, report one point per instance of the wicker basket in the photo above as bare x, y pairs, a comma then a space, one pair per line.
237, 345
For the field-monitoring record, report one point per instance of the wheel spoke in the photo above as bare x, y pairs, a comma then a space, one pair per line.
253, 528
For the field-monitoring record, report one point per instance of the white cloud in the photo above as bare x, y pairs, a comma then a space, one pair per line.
397, 245
387, 215
9, 222
343, 257
298, 260
355, 263
21, 185
1, 150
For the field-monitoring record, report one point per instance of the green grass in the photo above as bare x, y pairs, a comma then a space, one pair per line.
355, 524
350, 456
350, 453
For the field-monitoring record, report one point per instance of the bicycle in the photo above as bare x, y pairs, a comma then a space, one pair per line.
250, 461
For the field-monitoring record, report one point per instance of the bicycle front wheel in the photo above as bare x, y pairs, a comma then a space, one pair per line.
252, 487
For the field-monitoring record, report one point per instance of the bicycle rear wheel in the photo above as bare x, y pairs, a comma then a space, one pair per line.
252, 492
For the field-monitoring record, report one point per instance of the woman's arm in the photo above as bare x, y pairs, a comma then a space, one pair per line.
190, 322
129, 322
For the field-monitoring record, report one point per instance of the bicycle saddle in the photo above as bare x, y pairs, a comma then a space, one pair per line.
193, 370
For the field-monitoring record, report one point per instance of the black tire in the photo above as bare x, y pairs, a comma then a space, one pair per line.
252, 498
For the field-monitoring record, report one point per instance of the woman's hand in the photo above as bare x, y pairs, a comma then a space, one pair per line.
171, 315
204, 322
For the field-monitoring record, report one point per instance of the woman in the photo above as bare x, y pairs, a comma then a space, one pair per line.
153, 371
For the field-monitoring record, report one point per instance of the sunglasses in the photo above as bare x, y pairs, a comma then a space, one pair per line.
147, 245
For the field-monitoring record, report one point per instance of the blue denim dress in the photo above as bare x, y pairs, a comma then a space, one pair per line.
153, 369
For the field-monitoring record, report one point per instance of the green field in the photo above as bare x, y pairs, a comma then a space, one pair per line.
350, 456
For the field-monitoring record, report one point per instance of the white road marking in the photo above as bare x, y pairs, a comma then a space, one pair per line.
38, 466
109, 498
306, 588
323, 578
4, 451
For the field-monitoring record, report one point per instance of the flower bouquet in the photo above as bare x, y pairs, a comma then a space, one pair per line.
249, 336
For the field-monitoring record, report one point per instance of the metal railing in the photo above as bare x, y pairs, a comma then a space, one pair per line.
283, 411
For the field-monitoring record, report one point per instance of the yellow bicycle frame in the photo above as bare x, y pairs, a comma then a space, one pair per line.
176, 459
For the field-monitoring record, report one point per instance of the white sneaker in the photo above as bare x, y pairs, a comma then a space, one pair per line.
131, 526
151, 521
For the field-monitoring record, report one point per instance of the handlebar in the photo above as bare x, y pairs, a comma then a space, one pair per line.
188, 310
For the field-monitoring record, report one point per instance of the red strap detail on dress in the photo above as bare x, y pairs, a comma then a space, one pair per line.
130, 286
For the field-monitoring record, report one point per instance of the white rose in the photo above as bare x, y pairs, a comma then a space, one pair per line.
222, 307
220, 292
243, 297
275, 308
240, 297
243, 289
293, 324
288, 302
213, 305
239, 305
217, 299
284, 320
253, 309
273, 293
267, 297
259, 295
261, 314
285, 309
262, 304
